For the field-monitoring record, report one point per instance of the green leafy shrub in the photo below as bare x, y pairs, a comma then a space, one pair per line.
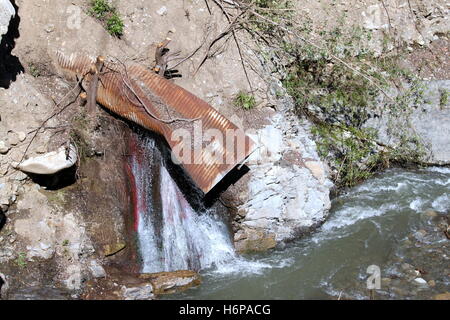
21, 260
245, 101
108, 15
115, 25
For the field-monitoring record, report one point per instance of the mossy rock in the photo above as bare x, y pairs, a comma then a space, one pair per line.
112, 249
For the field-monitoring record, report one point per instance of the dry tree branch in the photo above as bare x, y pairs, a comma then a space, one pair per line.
233, 31
77, 85
128, 82
334, 57
250, 9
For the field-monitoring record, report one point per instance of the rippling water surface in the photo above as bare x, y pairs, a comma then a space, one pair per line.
395, 221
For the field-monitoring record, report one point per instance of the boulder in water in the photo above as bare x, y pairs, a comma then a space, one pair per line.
50, 163
171, 282
254, 240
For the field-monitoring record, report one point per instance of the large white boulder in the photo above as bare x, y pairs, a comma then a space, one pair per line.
52, 162
6, 12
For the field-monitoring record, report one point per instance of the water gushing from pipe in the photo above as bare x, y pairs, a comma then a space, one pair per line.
171, 235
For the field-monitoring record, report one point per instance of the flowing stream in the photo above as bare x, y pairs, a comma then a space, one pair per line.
395, 221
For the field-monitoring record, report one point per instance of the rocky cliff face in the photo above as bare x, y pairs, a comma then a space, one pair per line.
430, 121
287, 190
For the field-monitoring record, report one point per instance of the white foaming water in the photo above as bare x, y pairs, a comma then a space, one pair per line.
416, 204
442, 203
184, 239
350, 215
443, 170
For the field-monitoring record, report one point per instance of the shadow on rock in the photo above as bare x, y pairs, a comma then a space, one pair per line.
10, 65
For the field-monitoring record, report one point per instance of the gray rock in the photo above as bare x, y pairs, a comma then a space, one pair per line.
3, 286
97, 270
4, 147
6, 12
50, 28
420, 281
39, 293
431, 122
288, 188
144, 292
52, 162
430, 19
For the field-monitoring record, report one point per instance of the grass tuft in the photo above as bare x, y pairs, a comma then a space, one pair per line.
108, 15
244, 100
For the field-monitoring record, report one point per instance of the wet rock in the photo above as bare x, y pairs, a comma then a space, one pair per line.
143, 292
254, 240
170, 282
52, 162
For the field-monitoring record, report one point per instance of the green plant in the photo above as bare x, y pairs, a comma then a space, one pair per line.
443, 99
21, 260
99, 8
65, 243
34, 70
108, 15
340, 100
244, 100
115, 25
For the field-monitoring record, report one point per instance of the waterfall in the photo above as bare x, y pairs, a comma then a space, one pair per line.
171, 235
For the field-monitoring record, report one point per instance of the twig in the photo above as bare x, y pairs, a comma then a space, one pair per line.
54, 114
129, 86
321, 48
207, 6
229, 29
161, 57
190, 55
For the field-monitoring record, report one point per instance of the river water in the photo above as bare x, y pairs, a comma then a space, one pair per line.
395, 221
